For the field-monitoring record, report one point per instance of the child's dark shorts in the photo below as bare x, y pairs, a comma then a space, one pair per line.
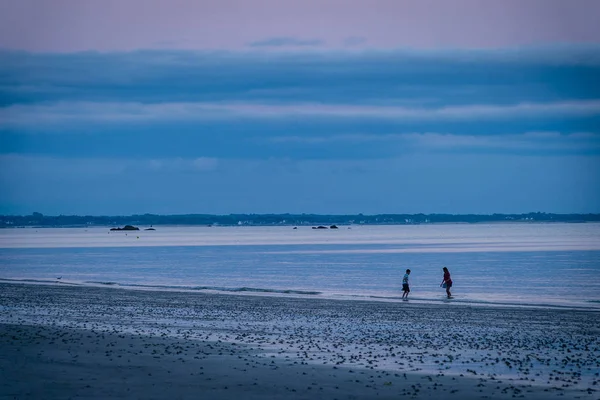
405, 287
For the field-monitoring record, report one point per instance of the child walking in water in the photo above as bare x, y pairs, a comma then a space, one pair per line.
447, 282
405, 288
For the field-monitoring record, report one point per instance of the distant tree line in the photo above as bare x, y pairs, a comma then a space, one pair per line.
38, 219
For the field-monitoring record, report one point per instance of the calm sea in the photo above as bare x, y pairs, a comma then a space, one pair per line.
518, 264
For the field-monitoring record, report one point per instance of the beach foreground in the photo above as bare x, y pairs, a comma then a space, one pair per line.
59, 341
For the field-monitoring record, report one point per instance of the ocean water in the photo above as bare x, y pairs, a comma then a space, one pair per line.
499, 264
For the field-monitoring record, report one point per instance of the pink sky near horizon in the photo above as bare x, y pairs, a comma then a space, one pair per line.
113, 25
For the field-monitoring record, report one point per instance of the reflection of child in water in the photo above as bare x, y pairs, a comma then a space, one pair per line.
447, 282
405, 288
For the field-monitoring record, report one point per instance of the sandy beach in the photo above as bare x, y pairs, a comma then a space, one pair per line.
61, 341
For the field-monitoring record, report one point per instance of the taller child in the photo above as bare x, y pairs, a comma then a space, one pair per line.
448, 281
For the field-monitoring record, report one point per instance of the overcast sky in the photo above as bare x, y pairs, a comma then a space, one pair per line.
173, 107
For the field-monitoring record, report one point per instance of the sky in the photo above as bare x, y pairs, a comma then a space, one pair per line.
298, 106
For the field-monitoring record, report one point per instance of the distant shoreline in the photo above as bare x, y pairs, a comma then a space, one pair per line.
39, 220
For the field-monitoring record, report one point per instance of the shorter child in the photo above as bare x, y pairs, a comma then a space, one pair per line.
405, 288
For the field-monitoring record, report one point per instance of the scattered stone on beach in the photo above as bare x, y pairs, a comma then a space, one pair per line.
287, 345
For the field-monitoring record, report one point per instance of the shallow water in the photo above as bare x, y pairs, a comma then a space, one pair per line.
518, 264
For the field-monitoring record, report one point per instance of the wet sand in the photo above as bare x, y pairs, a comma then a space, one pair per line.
60, 341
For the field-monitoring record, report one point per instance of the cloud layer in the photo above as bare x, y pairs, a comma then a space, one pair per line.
301, 131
